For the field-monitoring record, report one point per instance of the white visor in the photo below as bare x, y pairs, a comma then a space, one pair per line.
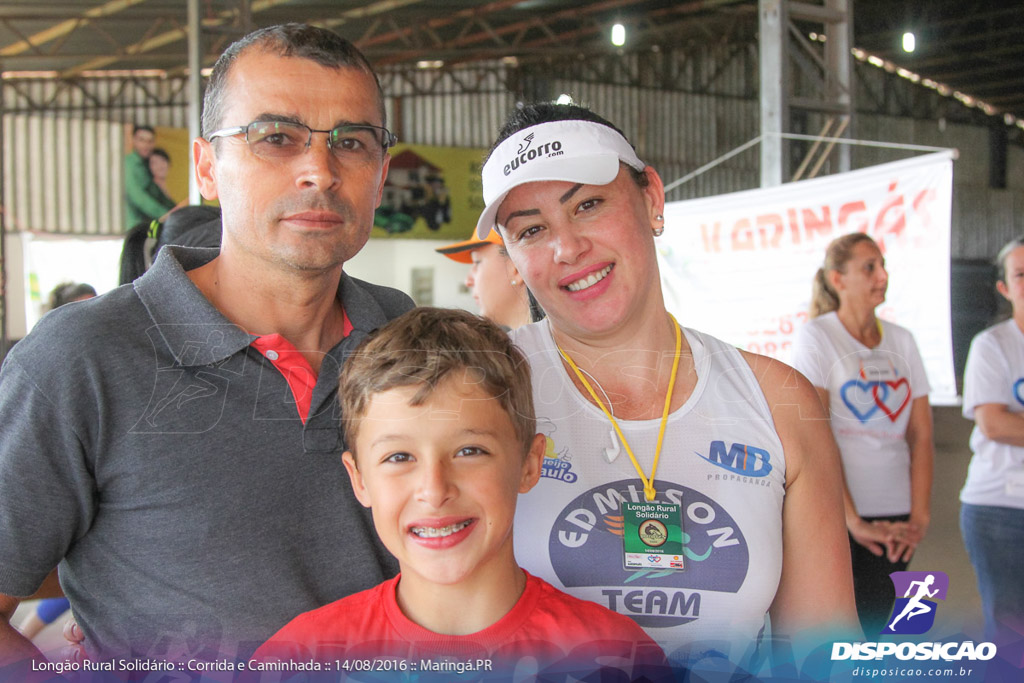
572, 151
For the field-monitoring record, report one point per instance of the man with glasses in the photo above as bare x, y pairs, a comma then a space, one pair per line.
175, 443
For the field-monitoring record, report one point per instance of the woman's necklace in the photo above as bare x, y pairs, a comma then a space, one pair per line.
649, 492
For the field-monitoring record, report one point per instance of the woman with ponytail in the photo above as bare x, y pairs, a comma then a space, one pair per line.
189, 226
871, 380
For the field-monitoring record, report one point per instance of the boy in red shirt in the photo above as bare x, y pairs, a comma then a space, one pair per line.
438, 417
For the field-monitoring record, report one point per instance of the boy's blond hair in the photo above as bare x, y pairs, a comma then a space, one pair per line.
424, 347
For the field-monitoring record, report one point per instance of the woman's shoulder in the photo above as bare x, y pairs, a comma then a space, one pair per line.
779, 381
532, 337
1003, 331
999, 338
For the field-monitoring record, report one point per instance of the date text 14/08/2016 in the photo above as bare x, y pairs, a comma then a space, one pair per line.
193, 665
448, 665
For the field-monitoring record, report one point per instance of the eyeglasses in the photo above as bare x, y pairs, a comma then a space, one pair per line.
283, 139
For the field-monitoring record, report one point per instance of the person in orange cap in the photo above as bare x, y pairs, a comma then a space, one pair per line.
499, 291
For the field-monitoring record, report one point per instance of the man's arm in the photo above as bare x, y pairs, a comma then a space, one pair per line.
46, 490
50, 588
14, 647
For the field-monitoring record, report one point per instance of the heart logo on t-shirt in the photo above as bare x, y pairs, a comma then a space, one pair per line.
859, 397
899, 397
1017, 389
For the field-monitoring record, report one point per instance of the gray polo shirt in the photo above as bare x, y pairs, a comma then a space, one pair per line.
161, 460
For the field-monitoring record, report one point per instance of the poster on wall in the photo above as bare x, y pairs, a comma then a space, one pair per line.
431, 193
170, 166
739, 266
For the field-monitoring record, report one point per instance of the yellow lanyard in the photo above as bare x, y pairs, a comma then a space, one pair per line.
649, 491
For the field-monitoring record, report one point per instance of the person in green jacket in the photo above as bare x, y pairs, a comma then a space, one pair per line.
144, 200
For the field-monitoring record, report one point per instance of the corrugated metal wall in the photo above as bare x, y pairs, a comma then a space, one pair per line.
63, 174
63, 144
64, 147
462, 107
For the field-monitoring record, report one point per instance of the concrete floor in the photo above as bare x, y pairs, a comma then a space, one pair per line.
942, 549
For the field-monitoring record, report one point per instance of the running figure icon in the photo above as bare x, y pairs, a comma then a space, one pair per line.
915, 606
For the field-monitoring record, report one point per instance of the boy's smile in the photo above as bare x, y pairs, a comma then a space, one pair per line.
442, 479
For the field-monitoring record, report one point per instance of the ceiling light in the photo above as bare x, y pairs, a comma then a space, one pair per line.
618, 35
909, 42
11, 75
564, 99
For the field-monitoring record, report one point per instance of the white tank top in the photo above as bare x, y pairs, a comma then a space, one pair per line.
721, 460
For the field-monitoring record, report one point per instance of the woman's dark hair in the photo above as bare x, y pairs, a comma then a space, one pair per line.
533, 114
66, 292
189, 226
160, 152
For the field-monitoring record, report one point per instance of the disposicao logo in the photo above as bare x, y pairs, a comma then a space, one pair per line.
914, 614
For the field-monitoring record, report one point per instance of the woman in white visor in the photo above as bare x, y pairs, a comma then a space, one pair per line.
691, 486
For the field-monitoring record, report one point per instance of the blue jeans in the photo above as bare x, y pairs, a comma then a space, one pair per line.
994, 538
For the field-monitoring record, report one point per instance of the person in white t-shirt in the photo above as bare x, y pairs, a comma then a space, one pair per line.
744, 489
992, 500
870, 377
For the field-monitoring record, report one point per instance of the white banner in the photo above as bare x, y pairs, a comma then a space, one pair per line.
739, 266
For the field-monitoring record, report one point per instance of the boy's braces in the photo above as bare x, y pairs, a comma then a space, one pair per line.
431, 532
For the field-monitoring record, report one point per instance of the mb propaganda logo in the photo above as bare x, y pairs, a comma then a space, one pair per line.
749, 464
914, 614
589, 530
